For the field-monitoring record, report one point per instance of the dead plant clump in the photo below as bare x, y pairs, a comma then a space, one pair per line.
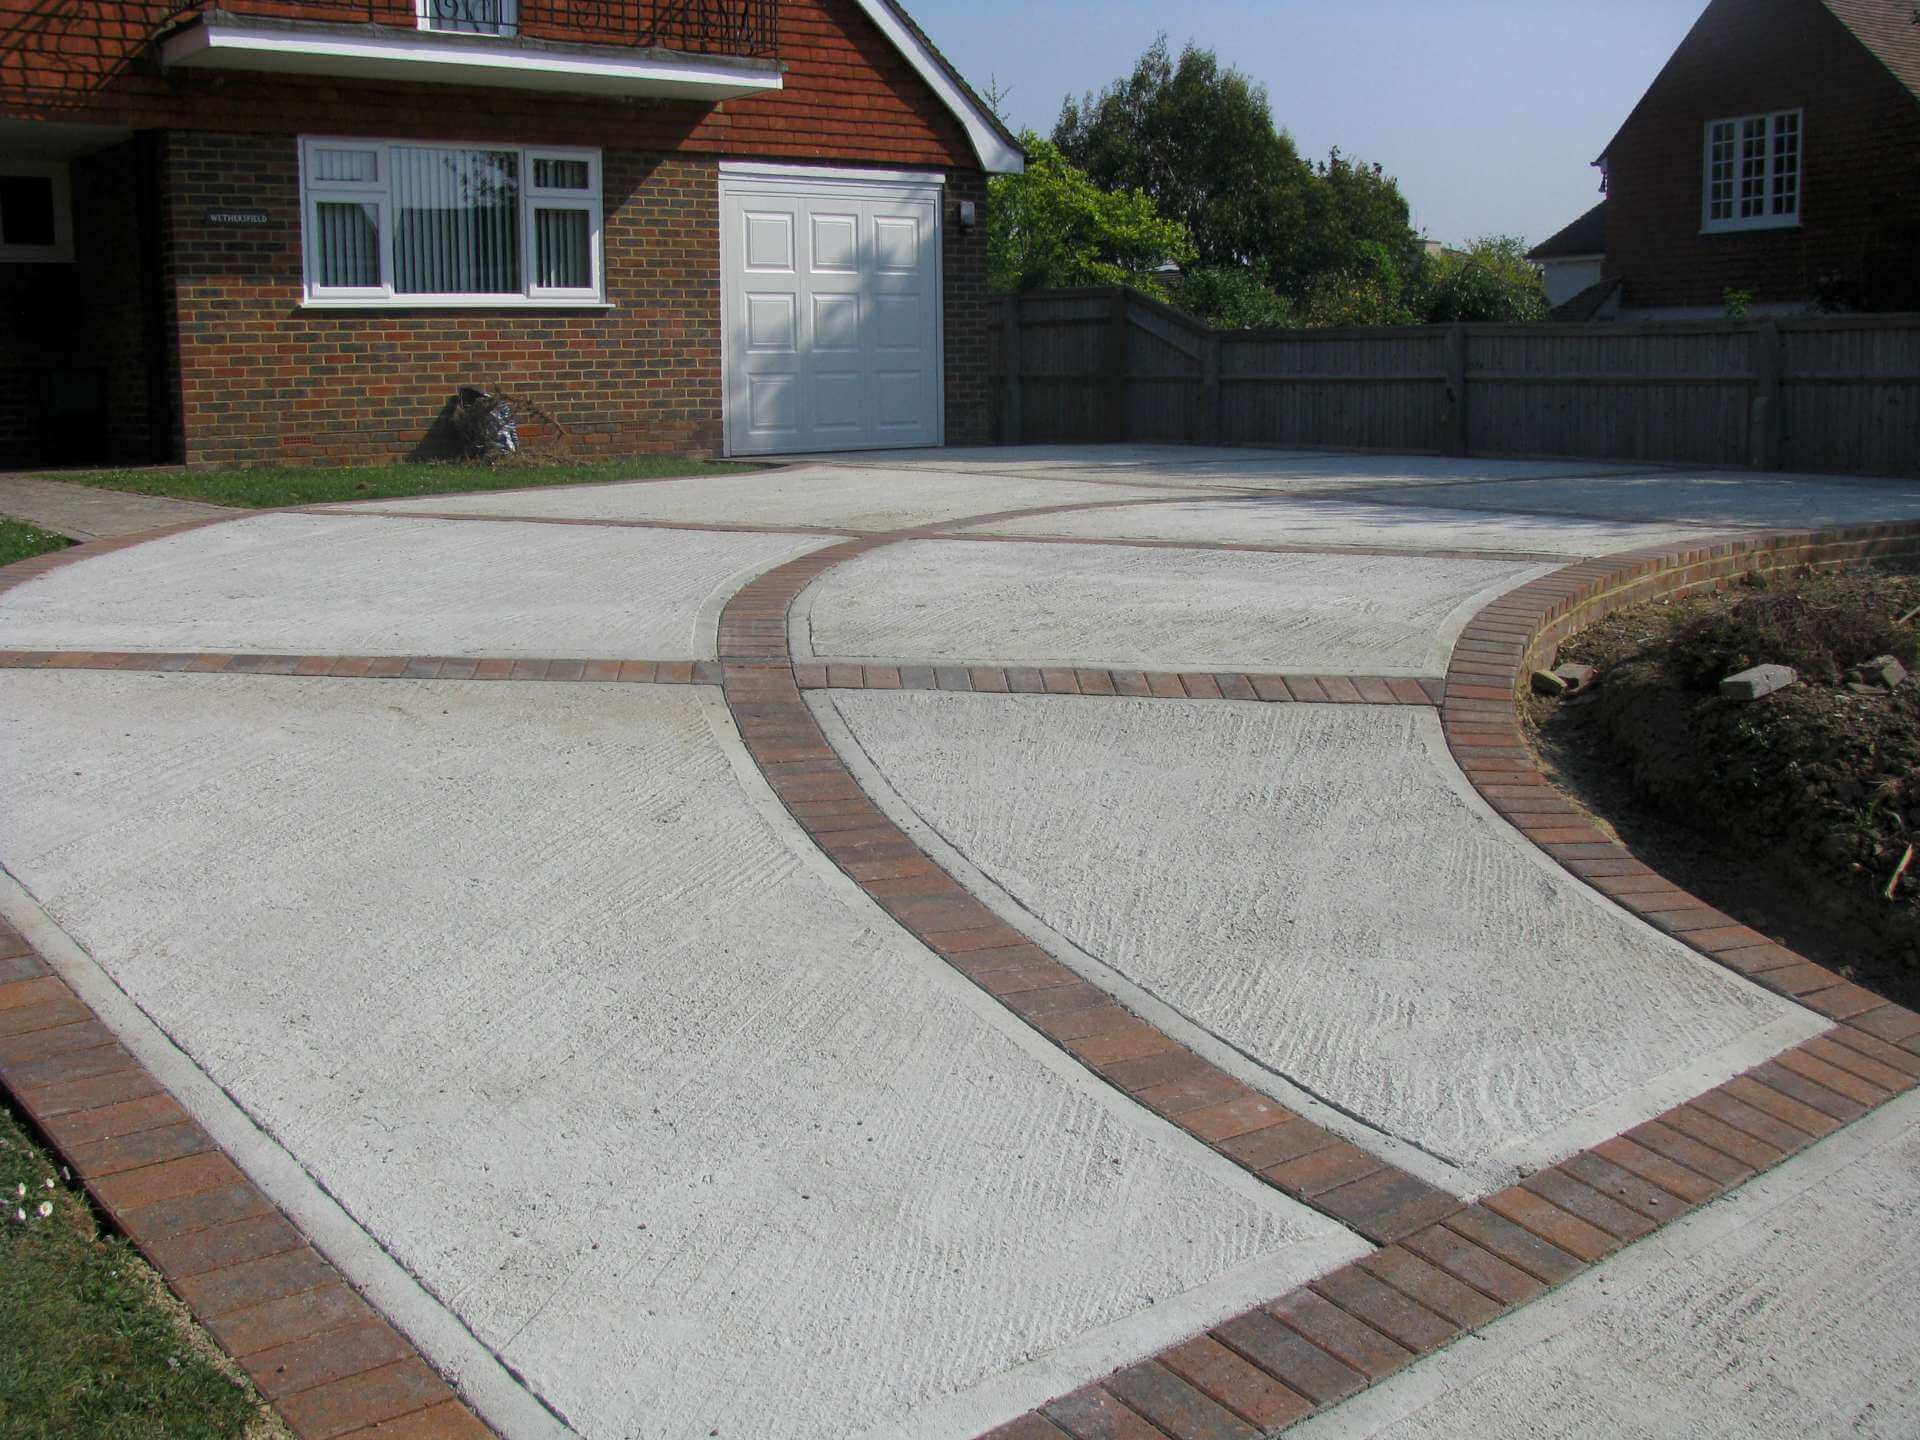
1815, 789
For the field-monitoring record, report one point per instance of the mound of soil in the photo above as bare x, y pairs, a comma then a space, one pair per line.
1791, 813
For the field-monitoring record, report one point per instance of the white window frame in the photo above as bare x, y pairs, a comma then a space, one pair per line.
60, 252
1769, 218
378, 193
509, 20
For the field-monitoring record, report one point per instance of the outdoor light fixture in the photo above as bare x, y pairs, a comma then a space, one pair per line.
968, 217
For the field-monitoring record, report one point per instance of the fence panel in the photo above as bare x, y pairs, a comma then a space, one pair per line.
1850, 395
1611, 392
1833, 394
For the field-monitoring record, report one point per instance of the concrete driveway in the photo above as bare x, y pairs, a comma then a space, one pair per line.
675, 1058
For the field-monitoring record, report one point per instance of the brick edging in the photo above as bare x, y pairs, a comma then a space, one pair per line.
995, 679
326, 1361
1263, 1370
1492, 664
1282, 1148
1443, 1267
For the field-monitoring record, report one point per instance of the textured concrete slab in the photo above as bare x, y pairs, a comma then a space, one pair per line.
539, 983
86, 512
1219, 466
1037, 604
825, 495
1788, 1308
1724, 498
303, 584
1288, 520
1317, 886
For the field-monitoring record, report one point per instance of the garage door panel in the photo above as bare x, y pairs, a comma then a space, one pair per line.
772, 325
773, 405
769, 241
897, 245
831, 295
836, 323
837, 400
836, 244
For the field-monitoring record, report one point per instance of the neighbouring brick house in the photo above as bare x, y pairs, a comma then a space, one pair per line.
1777, 153
291, 229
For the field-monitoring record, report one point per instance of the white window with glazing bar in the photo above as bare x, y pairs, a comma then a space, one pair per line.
1752, 177
450, 225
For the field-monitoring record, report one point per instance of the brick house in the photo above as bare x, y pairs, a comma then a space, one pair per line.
289, 230
1777, 153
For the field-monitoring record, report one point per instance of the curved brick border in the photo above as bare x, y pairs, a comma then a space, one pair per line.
1492, 664
333, 1368
1286, 1150
1444, 1268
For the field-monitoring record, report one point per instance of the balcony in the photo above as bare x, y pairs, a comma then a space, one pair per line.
704, 50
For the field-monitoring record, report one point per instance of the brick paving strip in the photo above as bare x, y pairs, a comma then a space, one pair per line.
1443, 1267
326, 1361
987, 679
333, 1368
984, 679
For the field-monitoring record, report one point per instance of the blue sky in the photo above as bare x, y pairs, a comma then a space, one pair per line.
1488, 111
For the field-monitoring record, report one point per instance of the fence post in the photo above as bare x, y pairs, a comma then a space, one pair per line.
1764, 420
1454, 437
1210, 416
1012, 422
1117, 327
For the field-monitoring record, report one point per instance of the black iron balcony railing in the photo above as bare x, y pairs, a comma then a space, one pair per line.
702, 27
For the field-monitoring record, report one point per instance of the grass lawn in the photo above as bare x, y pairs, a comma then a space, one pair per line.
92, 1344
20, 541
262, 486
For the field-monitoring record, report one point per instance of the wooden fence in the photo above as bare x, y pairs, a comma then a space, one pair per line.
1830, 393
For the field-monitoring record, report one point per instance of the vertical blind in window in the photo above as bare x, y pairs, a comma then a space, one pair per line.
452, 222
456, 221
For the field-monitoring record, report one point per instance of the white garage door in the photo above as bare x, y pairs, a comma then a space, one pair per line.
831, 293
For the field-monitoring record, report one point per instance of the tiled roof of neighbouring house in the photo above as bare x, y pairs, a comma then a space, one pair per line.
1890, 29
1585, 236
1587, 305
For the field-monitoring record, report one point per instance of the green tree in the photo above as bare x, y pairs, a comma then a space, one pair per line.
1355, 220
1492, 279
1199, 140
1369, 289
1232, 297
1052, 227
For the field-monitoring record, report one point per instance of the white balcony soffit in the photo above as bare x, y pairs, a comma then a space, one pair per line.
220, 40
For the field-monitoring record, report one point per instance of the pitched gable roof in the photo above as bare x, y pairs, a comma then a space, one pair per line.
1890, 29
1585, 236
1885, 28
999, 152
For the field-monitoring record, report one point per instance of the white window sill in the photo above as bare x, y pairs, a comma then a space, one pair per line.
452, 302
1742, 227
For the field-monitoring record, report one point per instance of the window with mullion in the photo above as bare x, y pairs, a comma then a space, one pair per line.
445, 224
1752, 172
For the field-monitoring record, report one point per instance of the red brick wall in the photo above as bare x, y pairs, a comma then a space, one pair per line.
262, 379
258, 378
964, 270
1860, 168
847, 94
